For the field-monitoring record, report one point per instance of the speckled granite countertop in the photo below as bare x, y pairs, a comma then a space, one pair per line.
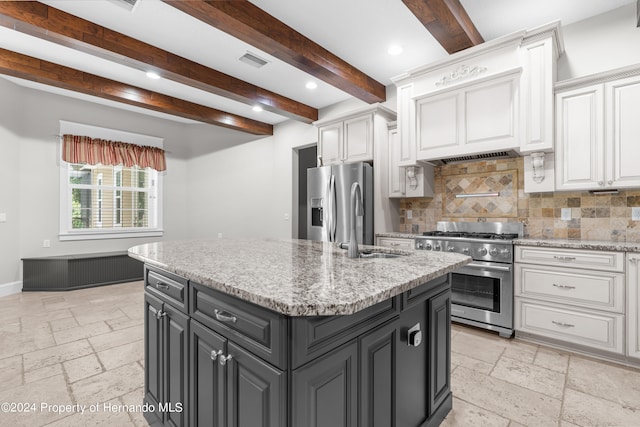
297, 277
598, 245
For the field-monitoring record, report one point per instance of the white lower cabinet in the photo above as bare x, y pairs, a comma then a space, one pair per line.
633, 305
395, 242
572, 296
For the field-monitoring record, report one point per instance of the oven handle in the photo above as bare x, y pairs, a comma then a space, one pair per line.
489, 267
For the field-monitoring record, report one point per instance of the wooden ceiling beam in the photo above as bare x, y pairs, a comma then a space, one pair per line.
47, 23
448, 23
36, 70
245, 21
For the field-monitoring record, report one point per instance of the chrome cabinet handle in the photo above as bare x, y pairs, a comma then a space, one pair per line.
160, 285
215, 354
634, 260
160, 314
564, 286
225, 359
223, 316
563, 324
564, 258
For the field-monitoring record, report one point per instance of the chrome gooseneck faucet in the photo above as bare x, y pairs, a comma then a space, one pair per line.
357, 209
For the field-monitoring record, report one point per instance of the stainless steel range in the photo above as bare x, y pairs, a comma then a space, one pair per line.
482, 291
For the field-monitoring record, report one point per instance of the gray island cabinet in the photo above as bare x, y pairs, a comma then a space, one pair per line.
292, 333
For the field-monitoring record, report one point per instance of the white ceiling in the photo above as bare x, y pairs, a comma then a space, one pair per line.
358, 31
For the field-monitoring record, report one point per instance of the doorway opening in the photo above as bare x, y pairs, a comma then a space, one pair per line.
306, 159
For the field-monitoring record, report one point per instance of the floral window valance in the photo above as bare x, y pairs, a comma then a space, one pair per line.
83, 149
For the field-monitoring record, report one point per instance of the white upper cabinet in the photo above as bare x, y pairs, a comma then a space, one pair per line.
597, 134
475, 118
396, 173
346, 141
492, 98
580, 139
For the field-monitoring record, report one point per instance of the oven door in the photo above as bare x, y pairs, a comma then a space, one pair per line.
482, 294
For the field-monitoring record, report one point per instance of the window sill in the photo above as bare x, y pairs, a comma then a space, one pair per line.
111, 234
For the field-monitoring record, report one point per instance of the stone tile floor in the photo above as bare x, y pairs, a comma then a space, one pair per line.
85, 347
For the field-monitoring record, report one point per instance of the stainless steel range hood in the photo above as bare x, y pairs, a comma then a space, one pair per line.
505, 154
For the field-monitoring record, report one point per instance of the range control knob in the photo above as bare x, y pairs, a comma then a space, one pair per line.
505, 253
482, 251
427, 246
465, 251
493, 252
451, 248
436, 248
418, 245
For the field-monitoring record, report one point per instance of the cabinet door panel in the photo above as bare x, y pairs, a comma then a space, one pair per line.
633, 305
256, 391
152, 351
176, 338
208, 395
358, 139
396, 173
580, 139
437, 125
490, 113
330, 143
439, 349
623, 126
325, 391
378, 375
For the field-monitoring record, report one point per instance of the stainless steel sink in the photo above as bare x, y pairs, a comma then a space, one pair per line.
379, 255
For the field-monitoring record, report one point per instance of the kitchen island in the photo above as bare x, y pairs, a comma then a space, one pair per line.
294, 333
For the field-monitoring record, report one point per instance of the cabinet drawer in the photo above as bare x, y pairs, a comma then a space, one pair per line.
168, 287
395, 242
591, 260
314, 336
594, 329
589, 289
257, 329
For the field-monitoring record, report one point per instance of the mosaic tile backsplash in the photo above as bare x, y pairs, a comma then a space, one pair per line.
593, 217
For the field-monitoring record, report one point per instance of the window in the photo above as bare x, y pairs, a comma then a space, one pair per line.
109, 201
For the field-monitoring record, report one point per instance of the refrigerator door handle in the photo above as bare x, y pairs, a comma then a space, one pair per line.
333, 213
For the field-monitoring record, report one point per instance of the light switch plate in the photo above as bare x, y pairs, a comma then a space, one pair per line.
565, 214
3, 217
409, 214
635, 214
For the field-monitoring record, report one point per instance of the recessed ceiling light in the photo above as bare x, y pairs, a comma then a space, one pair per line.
311, 85
257, 108
394, 49
153, 75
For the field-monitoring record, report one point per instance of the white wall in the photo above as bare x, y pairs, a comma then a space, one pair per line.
601, 43
245, 190
9, 185
29, 161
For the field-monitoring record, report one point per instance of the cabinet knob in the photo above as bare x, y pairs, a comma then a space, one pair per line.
610, 182
160, 314
601, 183
224, 359
215, 354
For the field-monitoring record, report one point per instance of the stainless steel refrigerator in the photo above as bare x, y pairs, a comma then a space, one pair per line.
328, 202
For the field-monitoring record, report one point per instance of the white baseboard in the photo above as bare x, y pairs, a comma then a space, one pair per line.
10, 288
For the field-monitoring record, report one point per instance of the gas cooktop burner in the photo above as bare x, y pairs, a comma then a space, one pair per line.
471, 235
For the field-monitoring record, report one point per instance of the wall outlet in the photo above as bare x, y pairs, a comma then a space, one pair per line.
635, 214
3, 217
565, 214
46, 243
409, 214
